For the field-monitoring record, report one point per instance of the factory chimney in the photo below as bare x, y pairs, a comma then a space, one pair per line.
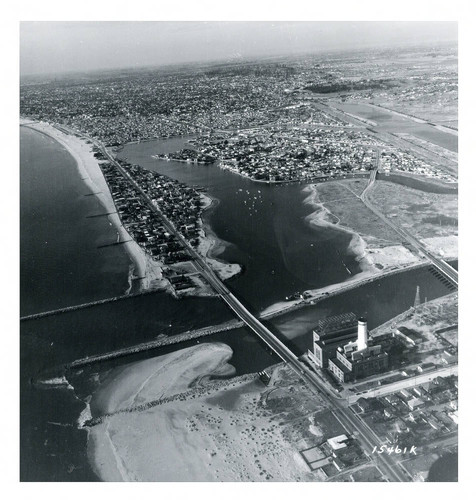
362, 334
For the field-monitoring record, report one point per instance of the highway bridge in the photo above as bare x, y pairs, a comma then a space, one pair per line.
443, 267
340, 408
342, 412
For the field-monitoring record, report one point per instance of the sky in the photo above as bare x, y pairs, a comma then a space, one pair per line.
55, 47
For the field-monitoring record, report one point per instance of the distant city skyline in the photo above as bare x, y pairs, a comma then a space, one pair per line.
57, 47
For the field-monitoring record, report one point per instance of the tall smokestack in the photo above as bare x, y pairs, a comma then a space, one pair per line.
362, 334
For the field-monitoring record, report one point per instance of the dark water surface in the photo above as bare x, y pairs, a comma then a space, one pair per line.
378, 301
420, 184
60, 262
268, 235
444, 470
61, 266
264, 227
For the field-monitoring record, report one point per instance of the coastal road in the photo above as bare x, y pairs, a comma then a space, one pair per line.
354, 424
210, 275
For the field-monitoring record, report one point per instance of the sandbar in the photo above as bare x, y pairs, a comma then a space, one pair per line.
206, 430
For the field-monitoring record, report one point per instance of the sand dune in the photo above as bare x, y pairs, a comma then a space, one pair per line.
229, 430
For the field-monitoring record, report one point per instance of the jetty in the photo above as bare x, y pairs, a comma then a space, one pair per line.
87, 305
100, 215
115, 243
156, 343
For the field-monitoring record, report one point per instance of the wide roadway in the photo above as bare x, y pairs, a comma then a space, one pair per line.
353, 424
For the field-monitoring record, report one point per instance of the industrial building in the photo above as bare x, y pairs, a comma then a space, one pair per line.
342, 346
329, 334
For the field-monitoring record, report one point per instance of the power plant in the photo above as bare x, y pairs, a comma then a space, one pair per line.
341, 345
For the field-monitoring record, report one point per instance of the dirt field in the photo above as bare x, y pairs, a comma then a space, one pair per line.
426, 215
426, 321
377, 245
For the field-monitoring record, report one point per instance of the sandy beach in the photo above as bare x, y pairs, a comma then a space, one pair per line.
144, 267
210, 245
371, 258
228, 430
157, 378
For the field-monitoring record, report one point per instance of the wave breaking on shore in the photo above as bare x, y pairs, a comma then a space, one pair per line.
147, 271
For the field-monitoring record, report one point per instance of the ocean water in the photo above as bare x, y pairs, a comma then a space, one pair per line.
60, 262
61, 265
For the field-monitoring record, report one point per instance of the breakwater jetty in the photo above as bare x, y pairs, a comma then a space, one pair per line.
86, 305
207, 389
317, 296
230, 325
115, 243
156, 343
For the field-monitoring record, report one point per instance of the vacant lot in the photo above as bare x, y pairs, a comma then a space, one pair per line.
348, 211
426, 215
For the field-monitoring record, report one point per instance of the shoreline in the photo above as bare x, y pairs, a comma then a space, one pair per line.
322, 217
144, 268
205, 425
371, 260
114, 456
211, 245
319, 178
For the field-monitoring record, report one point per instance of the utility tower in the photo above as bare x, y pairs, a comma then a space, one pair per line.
417, 297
